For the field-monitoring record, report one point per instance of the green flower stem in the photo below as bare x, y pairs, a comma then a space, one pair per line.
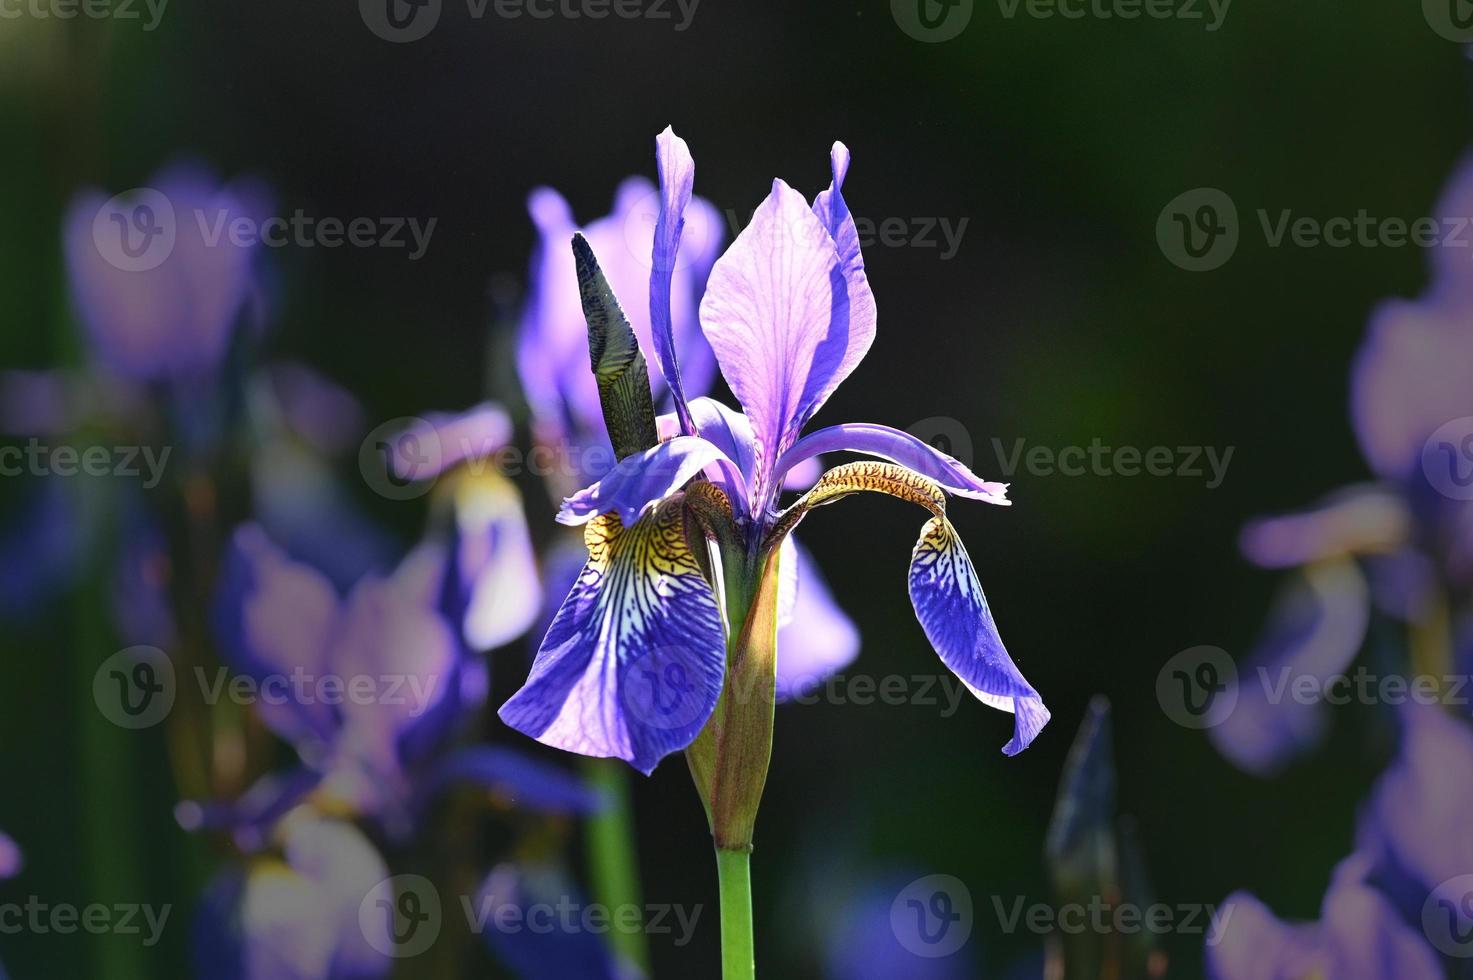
612, 854
733, 869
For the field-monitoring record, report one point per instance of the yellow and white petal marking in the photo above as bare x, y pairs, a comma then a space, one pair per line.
632, 665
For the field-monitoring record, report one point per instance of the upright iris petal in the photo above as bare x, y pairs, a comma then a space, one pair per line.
677, 179
787, 321
632, 665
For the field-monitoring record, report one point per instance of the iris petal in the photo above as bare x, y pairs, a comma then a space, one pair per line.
953, 611
786, 322
898, 447
677, 179
645, 479
632, 665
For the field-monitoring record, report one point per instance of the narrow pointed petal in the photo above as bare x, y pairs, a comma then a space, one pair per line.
632, 665
953, 611
1315, 631
645, 479
677, 179
897, 447
815, 639
785, 321
833, 211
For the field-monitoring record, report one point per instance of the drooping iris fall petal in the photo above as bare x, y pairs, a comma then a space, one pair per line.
632, 665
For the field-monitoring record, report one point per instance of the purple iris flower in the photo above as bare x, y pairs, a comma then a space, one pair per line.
158, 281
517, 908
384, 752
552, 349
634, 662
294, 914
1390, 547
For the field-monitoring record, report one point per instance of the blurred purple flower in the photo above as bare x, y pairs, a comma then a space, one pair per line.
552, 353
1392, 546
1315, 630
11, 859
387, 751
789, 314
1358, 937
296, 916
156, 278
